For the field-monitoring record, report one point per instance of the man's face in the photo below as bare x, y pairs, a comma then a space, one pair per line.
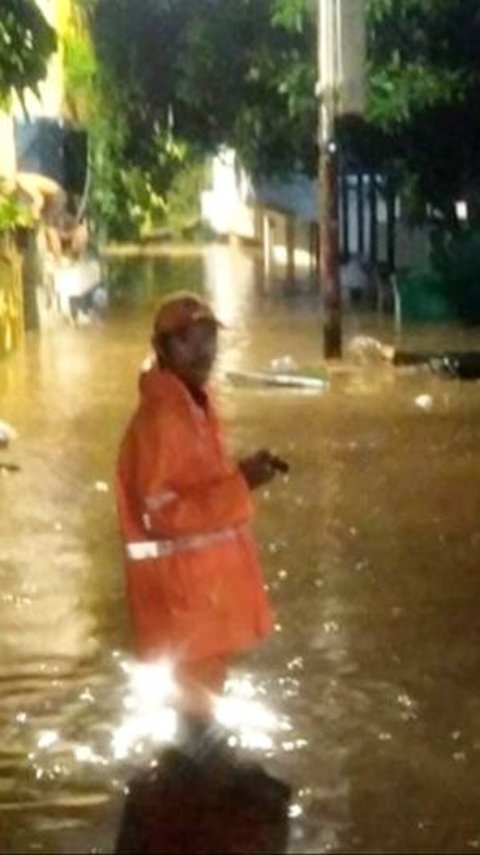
191, 352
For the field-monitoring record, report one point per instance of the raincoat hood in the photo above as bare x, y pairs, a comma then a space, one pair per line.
156, 382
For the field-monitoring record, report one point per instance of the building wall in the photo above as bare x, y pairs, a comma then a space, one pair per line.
233, 207
8, 160
50, 102
22, 281
224, 204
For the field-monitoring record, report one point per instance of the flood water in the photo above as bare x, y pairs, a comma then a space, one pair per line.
368, 691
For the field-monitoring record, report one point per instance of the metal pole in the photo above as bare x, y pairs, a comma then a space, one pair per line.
328, 179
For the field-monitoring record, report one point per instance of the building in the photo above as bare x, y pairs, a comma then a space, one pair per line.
281, 217
43, 161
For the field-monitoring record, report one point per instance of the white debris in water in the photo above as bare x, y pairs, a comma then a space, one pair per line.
87, 696
101, 487
148, 362
84, 754
7, 432
330, 626
47, 738
283, 364
425, 402
364, 348
405, 701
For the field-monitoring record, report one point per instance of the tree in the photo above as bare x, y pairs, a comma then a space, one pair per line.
180, 79
238, 72
425, 98
26, 43
242, 72
425, 101
247, 80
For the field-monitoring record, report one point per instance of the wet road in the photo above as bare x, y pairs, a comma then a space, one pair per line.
369, 691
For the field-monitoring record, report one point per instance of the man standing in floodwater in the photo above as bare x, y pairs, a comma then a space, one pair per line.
194, 584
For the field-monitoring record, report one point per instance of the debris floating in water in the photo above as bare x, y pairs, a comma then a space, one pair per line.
425, 402
9, 467
366, 349
284, 365
7, 434
270, 378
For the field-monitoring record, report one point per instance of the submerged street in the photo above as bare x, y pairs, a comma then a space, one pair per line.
368, 690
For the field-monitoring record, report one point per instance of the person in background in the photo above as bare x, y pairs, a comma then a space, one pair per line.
354, 280
194, 584
38, 191
66, 236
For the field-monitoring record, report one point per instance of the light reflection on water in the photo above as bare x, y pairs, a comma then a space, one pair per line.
368, 690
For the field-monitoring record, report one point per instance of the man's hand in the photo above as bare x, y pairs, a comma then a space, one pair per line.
261, 467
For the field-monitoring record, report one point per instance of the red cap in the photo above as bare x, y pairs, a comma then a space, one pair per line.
181, 310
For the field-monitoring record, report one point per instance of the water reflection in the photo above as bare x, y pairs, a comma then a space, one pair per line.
366, 699
215, 806
228, 277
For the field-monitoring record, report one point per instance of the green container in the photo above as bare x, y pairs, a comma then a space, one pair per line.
462, 275
423, 297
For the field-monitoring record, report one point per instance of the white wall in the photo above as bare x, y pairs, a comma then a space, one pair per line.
49, 104
228, 208
224, 206
8, 160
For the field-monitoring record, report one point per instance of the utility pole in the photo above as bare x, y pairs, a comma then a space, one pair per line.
329, 267
340, 90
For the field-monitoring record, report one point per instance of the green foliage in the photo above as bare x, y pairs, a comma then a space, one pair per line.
13, 213
421, 55
129, 196
92, 102
219, 70
134, 154
81, 71
107, 196
289, 14
424, 76
399, 91
183, 200
242, 72
26, 43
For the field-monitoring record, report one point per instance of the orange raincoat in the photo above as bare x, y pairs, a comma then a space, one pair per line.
194, 584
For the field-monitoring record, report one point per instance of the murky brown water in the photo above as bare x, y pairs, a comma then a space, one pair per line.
371, 550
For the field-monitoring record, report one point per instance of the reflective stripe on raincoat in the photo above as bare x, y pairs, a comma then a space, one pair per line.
193, 580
